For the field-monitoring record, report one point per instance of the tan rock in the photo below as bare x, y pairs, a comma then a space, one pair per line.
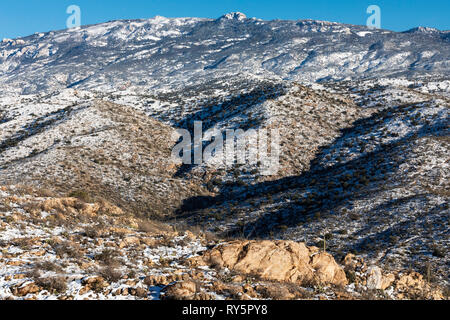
15, 263
95, 283
156, 280
374, 278
388, 280
248, 290
352, 262
327, 270
26, 289
38, 253
131, 283
149, 241
238, 279
413, 285
117, 292
410, 280
181, 291
277, 260
189, 235
140, 292
203, 296
130, 241
84, 290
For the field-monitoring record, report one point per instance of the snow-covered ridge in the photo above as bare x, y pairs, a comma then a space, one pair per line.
423, 30
165, 53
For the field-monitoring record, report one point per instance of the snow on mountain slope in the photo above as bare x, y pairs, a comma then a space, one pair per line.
363, 118
161, 53
101, 148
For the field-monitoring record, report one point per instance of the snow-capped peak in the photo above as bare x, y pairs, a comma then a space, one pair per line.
239, 16
423, 30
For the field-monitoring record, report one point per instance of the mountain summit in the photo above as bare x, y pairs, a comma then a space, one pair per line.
423, 30
239, 16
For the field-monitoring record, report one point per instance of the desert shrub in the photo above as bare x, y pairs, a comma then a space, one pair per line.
52, 284
108, 257
32, 207
132, 274
274, 291
438, 252
48, 266
45, 193
351, 276
446, 292
164, 262
93, 232
68, 249
354, 216
80, 205
33, 273
23, 243
235, 292
110, 274
148, 227
22, 190
81, 195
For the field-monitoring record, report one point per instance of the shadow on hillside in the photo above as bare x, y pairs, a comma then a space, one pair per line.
320, 192
399, 230
38, 125
229, 111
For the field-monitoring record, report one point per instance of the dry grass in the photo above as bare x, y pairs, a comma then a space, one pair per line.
110, 274
45, 193
108, 257
52, 284
48, 266
72, 250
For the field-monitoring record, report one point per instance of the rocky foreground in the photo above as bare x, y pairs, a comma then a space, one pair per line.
69, 249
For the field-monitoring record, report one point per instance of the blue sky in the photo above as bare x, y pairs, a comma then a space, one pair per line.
24, 17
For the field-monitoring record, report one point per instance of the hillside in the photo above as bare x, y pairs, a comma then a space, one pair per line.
87, 124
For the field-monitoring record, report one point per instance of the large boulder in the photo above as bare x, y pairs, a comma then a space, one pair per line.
276, 260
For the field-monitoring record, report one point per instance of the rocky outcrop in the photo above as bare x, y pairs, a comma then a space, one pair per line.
285, 261
25, 289
77, 206
413, 286
409, 285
